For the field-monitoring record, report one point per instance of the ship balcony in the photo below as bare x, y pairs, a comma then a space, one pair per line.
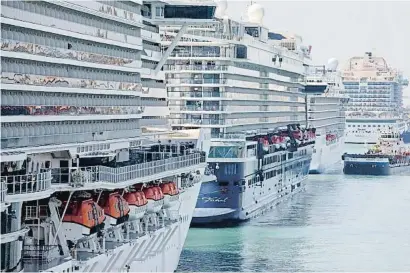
3, 193
112, 178
196, 122
112, 62
22, 80
75, 28
202, 68
194, 108
27, 187
196, 81
51, 113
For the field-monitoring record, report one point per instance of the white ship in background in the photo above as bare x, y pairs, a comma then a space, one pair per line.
243, 82
326, 107
376, 99
87, 182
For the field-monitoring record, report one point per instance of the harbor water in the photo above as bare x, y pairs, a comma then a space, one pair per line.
338, 223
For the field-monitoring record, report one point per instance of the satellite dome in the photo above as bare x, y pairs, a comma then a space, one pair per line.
221, 6
332, 64
256, 13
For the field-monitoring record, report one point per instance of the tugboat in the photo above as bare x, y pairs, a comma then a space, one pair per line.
390, 156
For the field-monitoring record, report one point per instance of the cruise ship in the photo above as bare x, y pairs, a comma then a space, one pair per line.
245, 84
326, 107
90, 179
376, 98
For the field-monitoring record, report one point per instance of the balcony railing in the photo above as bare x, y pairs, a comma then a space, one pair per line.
42, 253
196, 81
29, 183
3, 191
200, 108
44, 138
195, 54
56, 81
69, 110
196, 67
229, 136
196, 122
83, 175
35, 49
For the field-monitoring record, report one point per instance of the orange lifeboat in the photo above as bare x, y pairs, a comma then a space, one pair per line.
171, 194
138, 204
155, 199
115, 208
82, 218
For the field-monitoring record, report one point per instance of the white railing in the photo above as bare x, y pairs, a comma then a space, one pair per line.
3, 191
28, 183
228, 136
54, 52
122, 174
196, 67
56, 81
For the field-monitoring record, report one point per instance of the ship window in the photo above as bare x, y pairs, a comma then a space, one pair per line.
223, 184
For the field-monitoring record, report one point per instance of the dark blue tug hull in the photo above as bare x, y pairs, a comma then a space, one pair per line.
374, 164
366, 168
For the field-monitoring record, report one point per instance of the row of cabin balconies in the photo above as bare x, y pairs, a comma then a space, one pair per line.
196, 81
69, 54
68, 110
49, 180
20, 135
71, 23
29, 98
370, 96
198, 122
51, 82
179, 68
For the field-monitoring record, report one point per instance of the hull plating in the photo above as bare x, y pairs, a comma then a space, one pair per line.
158, 251
326, 156
227, 201
373, 168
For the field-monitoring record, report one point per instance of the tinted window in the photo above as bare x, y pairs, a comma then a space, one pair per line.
192, 12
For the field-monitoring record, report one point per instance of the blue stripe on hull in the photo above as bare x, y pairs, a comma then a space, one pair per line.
366, 168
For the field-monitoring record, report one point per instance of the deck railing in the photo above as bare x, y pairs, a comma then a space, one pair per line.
40, 253
121, 174
28, 183
3, 191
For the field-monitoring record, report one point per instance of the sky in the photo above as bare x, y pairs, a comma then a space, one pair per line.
342, 29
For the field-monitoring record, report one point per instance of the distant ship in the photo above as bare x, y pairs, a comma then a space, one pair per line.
326, 112
376, 98
390, 156
245, 84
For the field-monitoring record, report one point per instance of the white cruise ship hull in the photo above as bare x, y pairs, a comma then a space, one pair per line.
369, 135
326, 156
156, 252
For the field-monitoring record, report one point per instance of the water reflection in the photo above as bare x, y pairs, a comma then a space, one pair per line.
339, 223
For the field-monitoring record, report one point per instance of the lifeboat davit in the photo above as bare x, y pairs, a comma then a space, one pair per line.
137, 203
171, 194
115, 207
155, 199
82, 218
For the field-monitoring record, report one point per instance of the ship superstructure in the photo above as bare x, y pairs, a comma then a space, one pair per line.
245, 84
326, 107
375, 105
84, 187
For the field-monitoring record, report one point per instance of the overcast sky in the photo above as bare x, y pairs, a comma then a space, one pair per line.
342, 29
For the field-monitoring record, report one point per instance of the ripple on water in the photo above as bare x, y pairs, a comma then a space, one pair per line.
339, 223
